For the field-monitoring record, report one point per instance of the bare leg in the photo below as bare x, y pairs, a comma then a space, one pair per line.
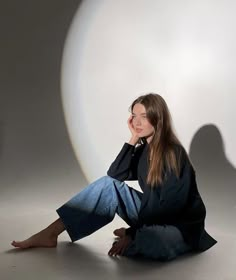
45, 238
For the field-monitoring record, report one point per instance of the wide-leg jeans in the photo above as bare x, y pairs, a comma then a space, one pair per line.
96, 205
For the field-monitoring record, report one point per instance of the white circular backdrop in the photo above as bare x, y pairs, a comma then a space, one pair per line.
117, 50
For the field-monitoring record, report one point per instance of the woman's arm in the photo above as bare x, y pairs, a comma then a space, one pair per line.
125, 165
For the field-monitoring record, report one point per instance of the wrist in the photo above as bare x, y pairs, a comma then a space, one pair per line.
133, 141
131, 232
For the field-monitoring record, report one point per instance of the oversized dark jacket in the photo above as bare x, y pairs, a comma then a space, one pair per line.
174, 202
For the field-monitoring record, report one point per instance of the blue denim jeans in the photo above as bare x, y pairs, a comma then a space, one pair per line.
96, 205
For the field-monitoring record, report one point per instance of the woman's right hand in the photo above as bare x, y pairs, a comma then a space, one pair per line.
134, 138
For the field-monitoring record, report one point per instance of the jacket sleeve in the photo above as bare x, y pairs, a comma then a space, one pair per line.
125, 165
131, 231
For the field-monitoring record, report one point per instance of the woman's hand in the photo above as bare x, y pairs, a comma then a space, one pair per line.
119, 246
135, 138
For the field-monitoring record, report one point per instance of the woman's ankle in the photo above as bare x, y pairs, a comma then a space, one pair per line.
55, 228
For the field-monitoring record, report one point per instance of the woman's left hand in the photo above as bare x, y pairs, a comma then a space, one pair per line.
119, 246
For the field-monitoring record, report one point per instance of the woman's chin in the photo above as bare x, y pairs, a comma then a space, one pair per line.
142, 135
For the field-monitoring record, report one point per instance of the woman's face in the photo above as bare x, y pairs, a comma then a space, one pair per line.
141, 124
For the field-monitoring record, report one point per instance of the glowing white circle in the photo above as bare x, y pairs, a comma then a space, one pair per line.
117, 50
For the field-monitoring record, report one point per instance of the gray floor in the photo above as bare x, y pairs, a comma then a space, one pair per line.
27, 210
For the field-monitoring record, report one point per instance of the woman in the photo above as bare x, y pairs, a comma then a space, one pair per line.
166, 219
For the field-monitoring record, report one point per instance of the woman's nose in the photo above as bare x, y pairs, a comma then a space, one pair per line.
137, 121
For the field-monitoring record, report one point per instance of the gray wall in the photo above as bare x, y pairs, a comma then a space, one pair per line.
36, 156
35, 150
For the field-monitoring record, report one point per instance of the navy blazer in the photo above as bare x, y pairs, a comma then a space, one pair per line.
175, 202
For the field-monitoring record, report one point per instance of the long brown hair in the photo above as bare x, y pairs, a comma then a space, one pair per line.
162, 148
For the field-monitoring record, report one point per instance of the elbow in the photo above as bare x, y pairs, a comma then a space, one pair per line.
114, 175
110, 173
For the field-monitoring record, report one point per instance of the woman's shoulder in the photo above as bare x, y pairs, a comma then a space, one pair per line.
181, 154
179, 149
184, 159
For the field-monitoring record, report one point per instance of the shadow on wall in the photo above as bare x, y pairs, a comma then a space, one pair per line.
34, 142
216, 178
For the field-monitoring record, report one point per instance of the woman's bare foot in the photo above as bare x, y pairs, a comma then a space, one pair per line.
45, 238
120, 232
41, 239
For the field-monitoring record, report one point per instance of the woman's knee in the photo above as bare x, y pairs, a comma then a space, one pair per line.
103, 181
111, 182
106, 178
106, 183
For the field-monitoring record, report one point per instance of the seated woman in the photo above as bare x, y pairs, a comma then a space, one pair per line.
165, 220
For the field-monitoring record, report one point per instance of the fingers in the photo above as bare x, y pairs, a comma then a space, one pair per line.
130, 118
115, 249
131, 126
119, 247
